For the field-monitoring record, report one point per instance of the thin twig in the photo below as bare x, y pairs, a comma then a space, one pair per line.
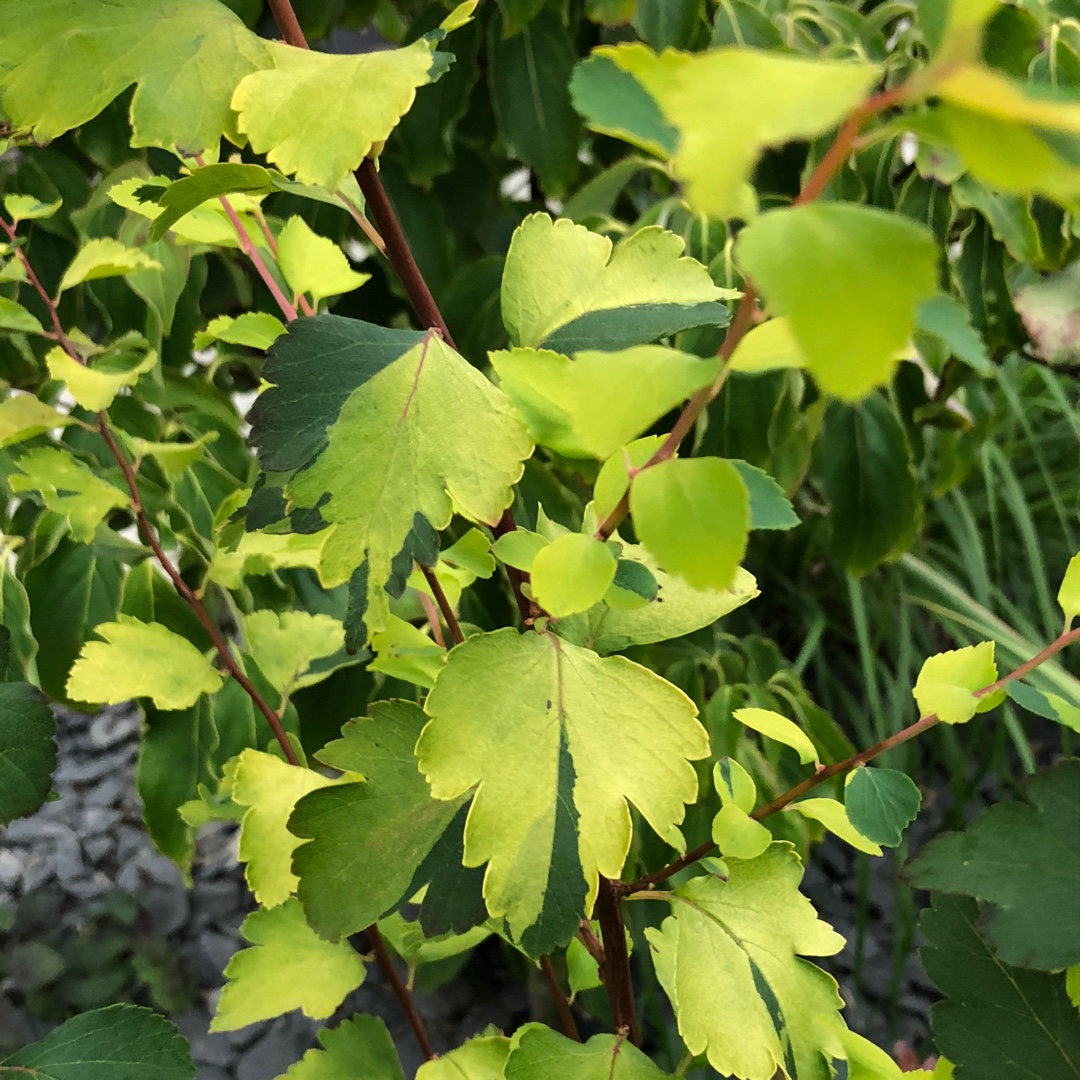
615, 970
287, 23
526, 608
148, 532
444, 604
401, 991
432, 614
924, 723
562, 1006
252, 252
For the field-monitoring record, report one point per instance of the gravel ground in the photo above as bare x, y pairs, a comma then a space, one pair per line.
88, 851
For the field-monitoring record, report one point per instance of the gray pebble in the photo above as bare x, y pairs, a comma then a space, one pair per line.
106, 793
97, 847
111, 728
212, 1072
11, 867
271, 1055
214, 952
167, 909
89, 888
94, 768
33, 830
96, 819
37, 870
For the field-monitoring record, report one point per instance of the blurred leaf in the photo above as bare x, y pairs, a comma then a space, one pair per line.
27, 750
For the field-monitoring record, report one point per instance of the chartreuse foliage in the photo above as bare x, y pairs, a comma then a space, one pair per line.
369, 575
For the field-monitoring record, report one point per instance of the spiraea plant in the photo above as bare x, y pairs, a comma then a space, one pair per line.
424, 591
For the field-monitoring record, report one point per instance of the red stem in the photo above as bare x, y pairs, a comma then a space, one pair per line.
924, 723
401, 991
562, 1006
444, 604
615, 970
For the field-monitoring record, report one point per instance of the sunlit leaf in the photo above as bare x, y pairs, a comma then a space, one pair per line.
314, 264
571, 574
94, 386
947, 683
833, 816
774, 726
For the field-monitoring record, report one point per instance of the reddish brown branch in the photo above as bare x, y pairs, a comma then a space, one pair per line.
287, 23
401, 991
447, 610
562, 1006
516, 577
615, 970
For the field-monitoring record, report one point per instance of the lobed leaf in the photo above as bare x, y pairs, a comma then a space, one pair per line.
358, 1047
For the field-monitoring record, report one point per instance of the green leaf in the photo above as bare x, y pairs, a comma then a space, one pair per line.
693, 515
865, 1061
953, 28
407, 939
592, 405
514, 714
439, 438
314, 264
995, 1020
571, 574
669, 24
734, 784
404, 651
103, 258
1072, 984
472, 554
519, 547
206, 183
768, 346
1044, 703
769, 506
527, 78
139, 659
865, 468
317, 115
613, 102
881, 803
729, 960
613, 480
27, 750
69, 488
480, 1058
286, 645
1049, 310
207, 224
833, 816
777, 97
947, 683
676, 609
121, 1042
27, 208
260, 553
346, 881
556, 272
270, 788
825, 265
255, 329
780, 729
946, 319
1019, 858
737, 834
359, 1047
95, 387
289, 967
174, 458
15, 317
185, 61
538, 1053
22, 416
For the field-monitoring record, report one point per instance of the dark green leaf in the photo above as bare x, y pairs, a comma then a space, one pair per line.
27, 750
619, 328
207, 183
947, 319
996, 1021
1024, 860
669, 24
769, 506
881, 803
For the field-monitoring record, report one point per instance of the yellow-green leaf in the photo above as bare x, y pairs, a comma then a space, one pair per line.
737, 834
95, 387
15, 317
22, 416
519, 547
833, 815
571, 574
289, 967
260, 553
1069, 594
105, 257
139, 659
766, 347
947, 682
174, 457
28, 208
314, 264
779, 728
404, 651
285, 645
734, 784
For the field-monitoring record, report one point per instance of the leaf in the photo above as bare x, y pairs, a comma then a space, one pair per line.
255, 329
946, 319
69, 488
557, 273
734, 784
881, 803
314, 264
15, 317
260, 553
996, 1021
120, 1042
953, 28
741, 994
769, 506
947, 682
694, 516
438, 438
778, 98
358, 1047
471, 554
139, 659
286, 645
95, 387
538, 1053
404, 651
613, 480
103, 258
677, 609
527, 80
407, 939
594, 404
1072, 984
519, 547
175, 458
270, 788
779, 728
1049, 310
571, 574
346, 881
22, 416
833, 816
27, 208
766, 347
825, 265
737, 834
207, 224
289, 967
865, 1061
514, 714
866, 472
206, 183
1019, 858
27, 750
480, 1058
316, 115
1044, 703
185, 61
